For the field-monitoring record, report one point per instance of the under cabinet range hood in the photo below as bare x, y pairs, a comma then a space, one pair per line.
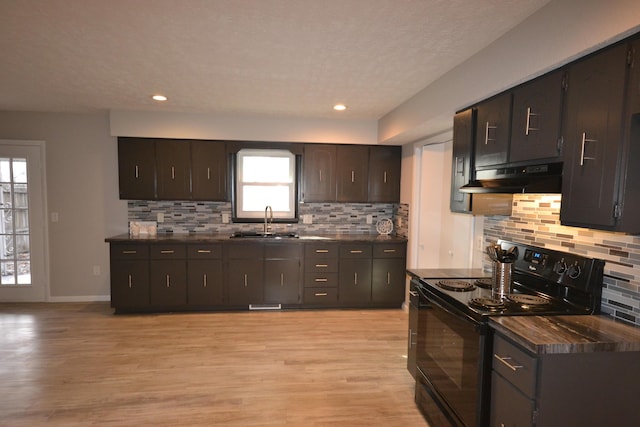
540, 178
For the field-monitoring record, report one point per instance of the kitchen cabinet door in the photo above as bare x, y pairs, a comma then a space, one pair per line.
384, 174
208, 170
245, 278
319, 169
536, 119
129, 283
136, 169
168, 285
463, 134
492, 131
388, 281
354, 282
173, 162
352, 173
593, 138
204, 282
282, 281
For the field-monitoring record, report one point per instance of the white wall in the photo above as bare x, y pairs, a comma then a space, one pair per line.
559, 32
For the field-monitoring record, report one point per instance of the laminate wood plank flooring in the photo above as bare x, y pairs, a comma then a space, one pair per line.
78, 364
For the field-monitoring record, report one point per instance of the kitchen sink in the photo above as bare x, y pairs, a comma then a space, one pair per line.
262, 235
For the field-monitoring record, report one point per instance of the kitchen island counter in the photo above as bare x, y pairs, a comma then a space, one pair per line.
568, 334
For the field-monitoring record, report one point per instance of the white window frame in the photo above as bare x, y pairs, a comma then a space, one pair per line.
290, 214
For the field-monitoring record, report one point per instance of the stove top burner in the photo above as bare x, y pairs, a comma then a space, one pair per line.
529, 301
488, 304
486, 283
456, 285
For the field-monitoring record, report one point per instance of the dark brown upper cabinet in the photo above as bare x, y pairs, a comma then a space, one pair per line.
536, 119
384, 174
319, 173
352, 173
173, 168
492, 131
208, 170
600, 181
463, 132
137, 168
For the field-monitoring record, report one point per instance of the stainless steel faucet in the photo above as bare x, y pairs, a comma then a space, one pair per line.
267, 228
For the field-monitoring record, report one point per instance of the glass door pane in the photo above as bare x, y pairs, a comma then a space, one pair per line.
15, 253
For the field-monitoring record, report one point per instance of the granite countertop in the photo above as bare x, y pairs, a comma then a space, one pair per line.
448, 273
219, 237
568, 334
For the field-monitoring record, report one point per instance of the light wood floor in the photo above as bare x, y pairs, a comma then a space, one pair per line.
80, 365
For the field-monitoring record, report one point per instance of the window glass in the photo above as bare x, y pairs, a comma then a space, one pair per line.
265, 178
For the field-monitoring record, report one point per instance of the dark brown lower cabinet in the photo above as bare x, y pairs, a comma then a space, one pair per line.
168, 284
204, 282
129, 283
245, 278
354, 281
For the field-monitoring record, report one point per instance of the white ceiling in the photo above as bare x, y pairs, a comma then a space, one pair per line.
260, 57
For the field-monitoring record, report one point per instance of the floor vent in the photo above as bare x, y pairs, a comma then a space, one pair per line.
265, 306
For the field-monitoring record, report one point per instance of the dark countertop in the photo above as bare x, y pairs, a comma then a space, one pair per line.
220, 237
568, 334
448, 273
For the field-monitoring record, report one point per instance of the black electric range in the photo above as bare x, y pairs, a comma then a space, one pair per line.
454, 342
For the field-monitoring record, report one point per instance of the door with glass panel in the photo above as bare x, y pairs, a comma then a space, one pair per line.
22, 225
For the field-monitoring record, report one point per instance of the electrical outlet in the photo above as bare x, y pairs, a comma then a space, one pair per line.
225, 218
160, 217
479, 243
307, 219
369, 219
55, 217
96, 270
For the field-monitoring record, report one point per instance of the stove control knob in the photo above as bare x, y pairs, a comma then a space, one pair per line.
560, 267
574, 271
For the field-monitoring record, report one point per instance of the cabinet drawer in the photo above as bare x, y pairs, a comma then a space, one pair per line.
282, 251
389, 250
204, 251
168, 251
355, 251
320, 280
129, 251
321, 250
322, 265
245, 251
320, 296
516, 366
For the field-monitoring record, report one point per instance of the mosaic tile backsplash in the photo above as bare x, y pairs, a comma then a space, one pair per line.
327, 218
535, 220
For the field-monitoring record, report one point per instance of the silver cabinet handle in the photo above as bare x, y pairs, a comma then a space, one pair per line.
320, 173
204, 280
173, 172
167, 251
355, 278
245, 280
528, 127
355, 251
204, 251
413, 293
389, 251
385, 177
281, 279
584, 143
320, 294
208, 174
411, 336
353, 176
486, 133
168, 281
322, 265
137, 173
505, 360
130, 252
388, 278
322, 251
130, 281
321, 280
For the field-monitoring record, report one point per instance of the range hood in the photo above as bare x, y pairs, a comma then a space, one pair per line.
540, 178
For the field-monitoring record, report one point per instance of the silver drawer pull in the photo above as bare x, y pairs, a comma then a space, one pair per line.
132, 252
204, 251
168, 251
389, 251
322, 251
505, 360
322, 265
355, 251
321, 280
321, 294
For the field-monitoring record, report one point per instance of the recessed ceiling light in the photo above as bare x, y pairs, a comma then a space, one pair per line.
339, 107
159, 97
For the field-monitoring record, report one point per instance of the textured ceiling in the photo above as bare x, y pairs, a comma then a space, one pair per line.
267, 57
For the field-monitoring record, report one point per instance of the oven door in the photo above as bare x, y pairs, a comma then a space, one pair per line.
453, 385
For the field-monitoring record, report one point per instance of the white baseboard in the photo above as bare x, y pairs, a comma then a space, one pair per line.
83, 298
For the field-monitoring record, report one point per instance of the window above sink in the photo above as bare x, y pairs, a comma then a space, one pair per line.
265, 177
